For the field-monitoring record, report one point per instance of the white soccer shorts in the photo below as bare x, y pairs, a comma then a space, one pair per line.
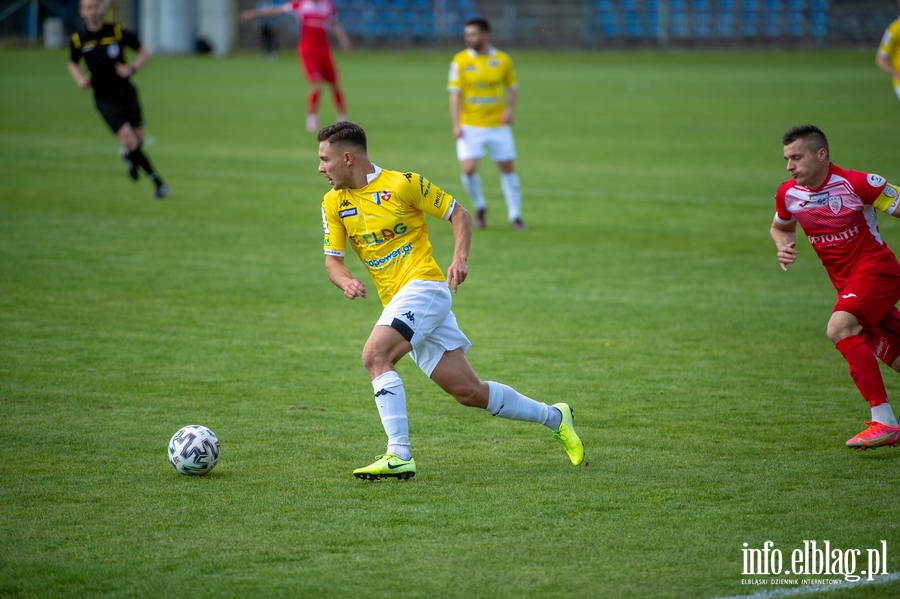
498, 141
421, 313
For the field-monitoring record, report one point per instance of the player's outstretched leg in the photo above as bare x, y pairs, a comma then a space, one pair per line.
132, 167
387, 466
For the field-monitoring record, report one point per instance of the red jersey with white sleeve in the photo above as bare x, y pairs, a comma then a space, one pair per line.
314, 19
840, 222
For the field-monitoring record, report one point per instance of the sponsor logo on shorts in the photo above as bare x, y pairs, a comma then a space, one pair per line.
410, 317
882, 348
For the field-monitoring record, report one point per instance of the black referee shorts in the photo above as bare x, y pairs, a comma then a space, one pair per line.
120, 107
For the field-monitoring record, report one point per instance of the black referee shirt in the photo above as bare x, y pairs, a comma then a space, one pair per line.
101, 51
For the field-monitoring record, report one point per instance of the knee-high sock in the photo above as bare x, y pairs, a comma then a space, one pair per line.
390, 397
472, 185
138, 157
509, 183
339, 107
506, 402
863, 369
312, 101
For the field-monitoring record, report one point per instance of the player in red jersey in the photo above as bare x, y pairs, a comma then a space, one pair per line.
315, 18
836, 209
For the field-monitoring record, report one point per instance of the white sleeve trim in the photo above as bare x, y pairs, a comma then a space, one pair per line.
334, 253
784, 222
451, 209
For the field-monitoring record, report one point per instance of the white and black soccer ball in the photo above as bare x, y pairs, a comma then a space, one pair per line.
194, 449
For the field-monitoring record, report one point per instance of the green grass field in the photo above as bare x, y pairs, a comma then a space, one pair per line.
646, 293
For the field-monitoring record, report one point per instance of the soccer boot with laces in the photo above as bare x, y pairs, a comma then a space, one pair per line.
567, 435
387, 465
876, 435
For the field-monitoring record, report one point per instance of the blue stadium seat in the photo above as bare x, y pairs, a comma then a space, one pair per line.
679, 24
607, 18
702, 18
818, 19
772, 18
795, 19
750, 18
726, 18
631, 15
651, 18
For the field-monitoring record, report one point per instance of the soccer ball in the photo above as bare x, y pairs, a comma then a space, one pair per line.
194, 449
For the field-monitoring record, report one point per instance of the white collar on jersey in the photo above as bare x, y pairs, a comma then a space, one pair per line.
491, 51
372, 176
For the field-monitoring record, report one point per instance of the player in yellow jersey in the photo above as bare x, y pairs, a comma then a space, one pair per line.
478, 77
382, 214
888, 56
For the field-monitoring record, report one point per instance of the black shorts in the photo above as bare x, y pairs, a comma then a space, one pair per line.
120, 107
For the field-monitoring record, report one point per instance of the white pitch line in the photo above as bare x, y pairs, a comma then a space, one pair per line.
813, 588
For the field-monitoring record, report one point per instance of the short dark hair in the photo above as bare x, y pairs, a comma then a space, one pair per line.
481, 23
811, 135
344, 133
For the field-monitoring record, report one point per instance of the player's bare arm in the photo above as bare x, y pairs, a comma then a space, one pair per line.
83, 82
341, 36
785, 238
883, 61
455, 112
512, 96
140, 59
272, 11
340, 275
461, 220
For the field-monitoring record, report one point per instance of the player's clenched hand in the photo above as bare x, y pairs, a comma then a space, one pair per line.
457, 132
787, 253
456, 274
355, 289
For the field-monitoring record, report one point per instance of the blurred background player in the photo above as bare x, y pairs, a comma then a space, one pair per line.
315, 18
382, 214
478, 76
836, 208
102, 45
888, 56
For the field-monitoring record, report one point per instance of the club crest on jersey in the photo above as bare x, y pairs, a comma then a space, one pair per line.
493, 63
113, 50
835, 203
381, 196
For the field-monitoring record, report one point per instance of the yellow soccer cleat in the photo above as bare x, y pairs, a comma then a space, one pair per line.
387, 466
567, 435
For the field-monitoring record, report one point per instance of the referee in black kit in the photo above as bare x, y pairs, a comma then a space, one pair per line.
102, 45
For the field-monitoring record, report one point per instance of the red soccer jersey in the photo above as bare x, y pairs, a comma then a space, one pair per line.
839, 220
314, 19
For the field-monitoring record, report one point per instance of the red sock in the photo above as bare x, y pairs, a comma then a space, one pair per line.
863, 369
312, 102
339, 101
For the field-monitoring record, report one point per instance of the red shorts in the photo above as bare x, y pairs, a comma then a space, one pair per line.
318, 65
872, 298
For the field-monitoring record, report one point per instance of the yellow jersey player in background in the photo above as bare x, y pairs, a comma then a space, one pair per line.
479, 77
888, 55
382, 214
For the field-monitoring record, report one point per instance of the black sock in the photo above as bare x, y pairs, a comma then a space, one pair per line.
140, 159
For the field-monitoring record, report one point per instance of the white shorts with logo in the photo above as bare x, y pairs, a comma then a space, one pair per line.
498, 140
421, 313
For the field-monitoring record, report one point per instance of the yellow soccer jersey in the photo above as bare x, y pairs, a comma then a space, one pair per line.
890, 44
480, 79
385, 223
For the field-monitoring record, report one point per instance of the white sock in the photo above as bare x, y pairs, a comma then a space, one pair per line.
506, 402
509, 183
390, 397
884, 414
472, 185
